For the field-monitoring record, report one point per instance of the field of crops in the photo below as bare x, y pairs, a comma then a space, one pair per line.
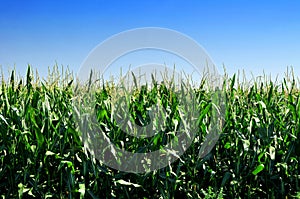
256, 156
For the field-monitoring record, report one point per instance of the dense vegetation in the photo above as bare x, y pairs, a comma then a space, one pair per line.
257, 154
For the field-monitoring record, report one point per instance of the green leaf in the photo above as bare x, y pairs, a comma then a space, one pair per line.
123, 182
263, 105
260, 156
155, 139
22, 190
49, 153
3, 119
92, 194
81, 190
272, 152
246, 144
258, 169
227, 145
232, 82
225, 178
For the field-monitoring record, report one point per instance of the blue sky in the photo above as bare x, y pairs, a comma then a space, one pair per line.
253, 35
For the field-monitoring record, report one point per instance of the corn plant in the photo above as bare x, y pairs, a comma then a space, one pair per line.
42, 154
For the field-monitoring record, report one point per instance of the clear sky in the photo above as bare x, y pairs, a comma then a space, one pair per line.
252, 35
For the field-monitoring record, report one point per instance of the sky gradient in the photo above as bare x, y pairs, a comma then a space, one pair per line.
254, 36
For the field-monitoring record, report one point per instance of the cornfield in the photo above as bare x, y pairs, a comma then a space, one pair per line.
256, 156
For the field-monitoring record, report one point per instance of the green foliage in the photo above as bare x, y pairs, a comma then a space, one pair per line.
257, 155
